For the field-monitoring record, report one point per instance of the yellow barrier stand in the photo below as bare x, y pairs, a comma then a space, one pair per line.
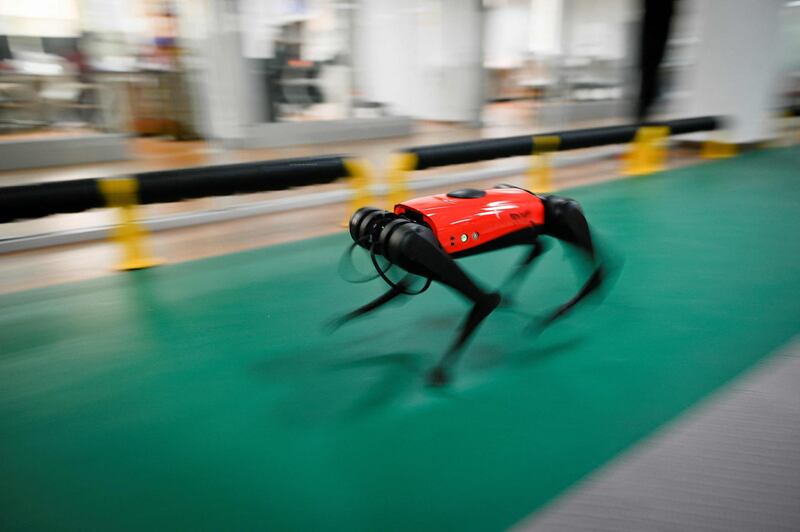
790, 133
540, 171
122, 193
648, 153
400, 165
795, 137
794, 131
716, 148
360, 172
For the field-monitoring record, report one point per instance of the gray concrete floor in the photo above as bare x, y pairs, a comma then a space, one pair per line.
732, 464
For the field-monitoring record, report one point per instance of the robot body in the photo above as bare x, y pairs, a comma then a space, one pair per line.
467, 219
425, 236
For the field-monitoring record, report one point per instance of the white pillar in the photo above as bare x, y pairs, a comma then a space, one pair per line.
736, 67
231, 98
422, 57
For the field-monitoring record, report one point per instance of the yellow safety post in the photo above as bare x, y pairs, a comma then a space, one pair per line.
122, 193
790, 131
796, 132
648, 152
360, 172
540, 171
795, 137
716, 148
400, 165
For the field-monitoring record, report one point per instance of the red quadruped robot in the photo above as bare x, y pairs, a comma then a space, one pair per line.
424, 236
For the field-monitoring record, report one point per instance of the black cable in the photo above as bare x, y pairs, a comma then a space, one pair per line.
347, 256
391, 283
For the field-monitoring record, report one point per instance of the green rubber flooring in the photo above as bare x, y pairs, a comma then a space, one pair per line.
208, 395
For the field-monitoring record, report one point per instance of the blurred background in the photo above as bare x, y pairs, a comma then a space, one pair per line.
208, 394
98, 88
218, 70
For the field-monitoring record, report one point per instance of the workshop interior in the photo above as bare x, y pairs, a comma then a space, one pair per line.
383, 265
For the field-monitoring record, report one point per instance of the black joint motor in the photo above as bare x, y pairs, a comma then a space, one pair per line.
367, 223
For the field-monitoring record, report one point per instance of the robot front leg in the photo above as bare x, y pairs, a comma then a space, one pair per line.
390, 295
415, 248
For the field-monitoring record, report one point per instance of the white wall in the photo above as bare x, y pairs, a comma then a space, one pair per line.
508, 33
737, 66
790, 18
422, 57
324, 34
546, 26
223, 74
39, 18
598, 28
517, 28
384, 57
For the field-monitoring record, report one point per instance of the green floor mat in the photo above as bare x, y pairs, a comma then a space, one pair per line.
208, 395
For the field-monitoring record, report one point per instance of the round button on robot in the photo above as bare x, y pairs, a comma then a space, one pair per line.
466, 193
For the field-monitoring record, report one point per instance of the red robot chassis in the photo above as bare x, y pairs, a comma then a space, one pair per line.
425, 235
465, 219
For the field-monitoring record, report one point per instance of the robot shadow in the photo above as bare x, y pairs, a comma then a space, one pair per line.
358, 385
310, 394
403, 373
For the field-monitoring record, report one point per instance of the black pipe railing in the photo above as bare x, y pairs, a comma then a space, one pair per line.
43, 199
487, 149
